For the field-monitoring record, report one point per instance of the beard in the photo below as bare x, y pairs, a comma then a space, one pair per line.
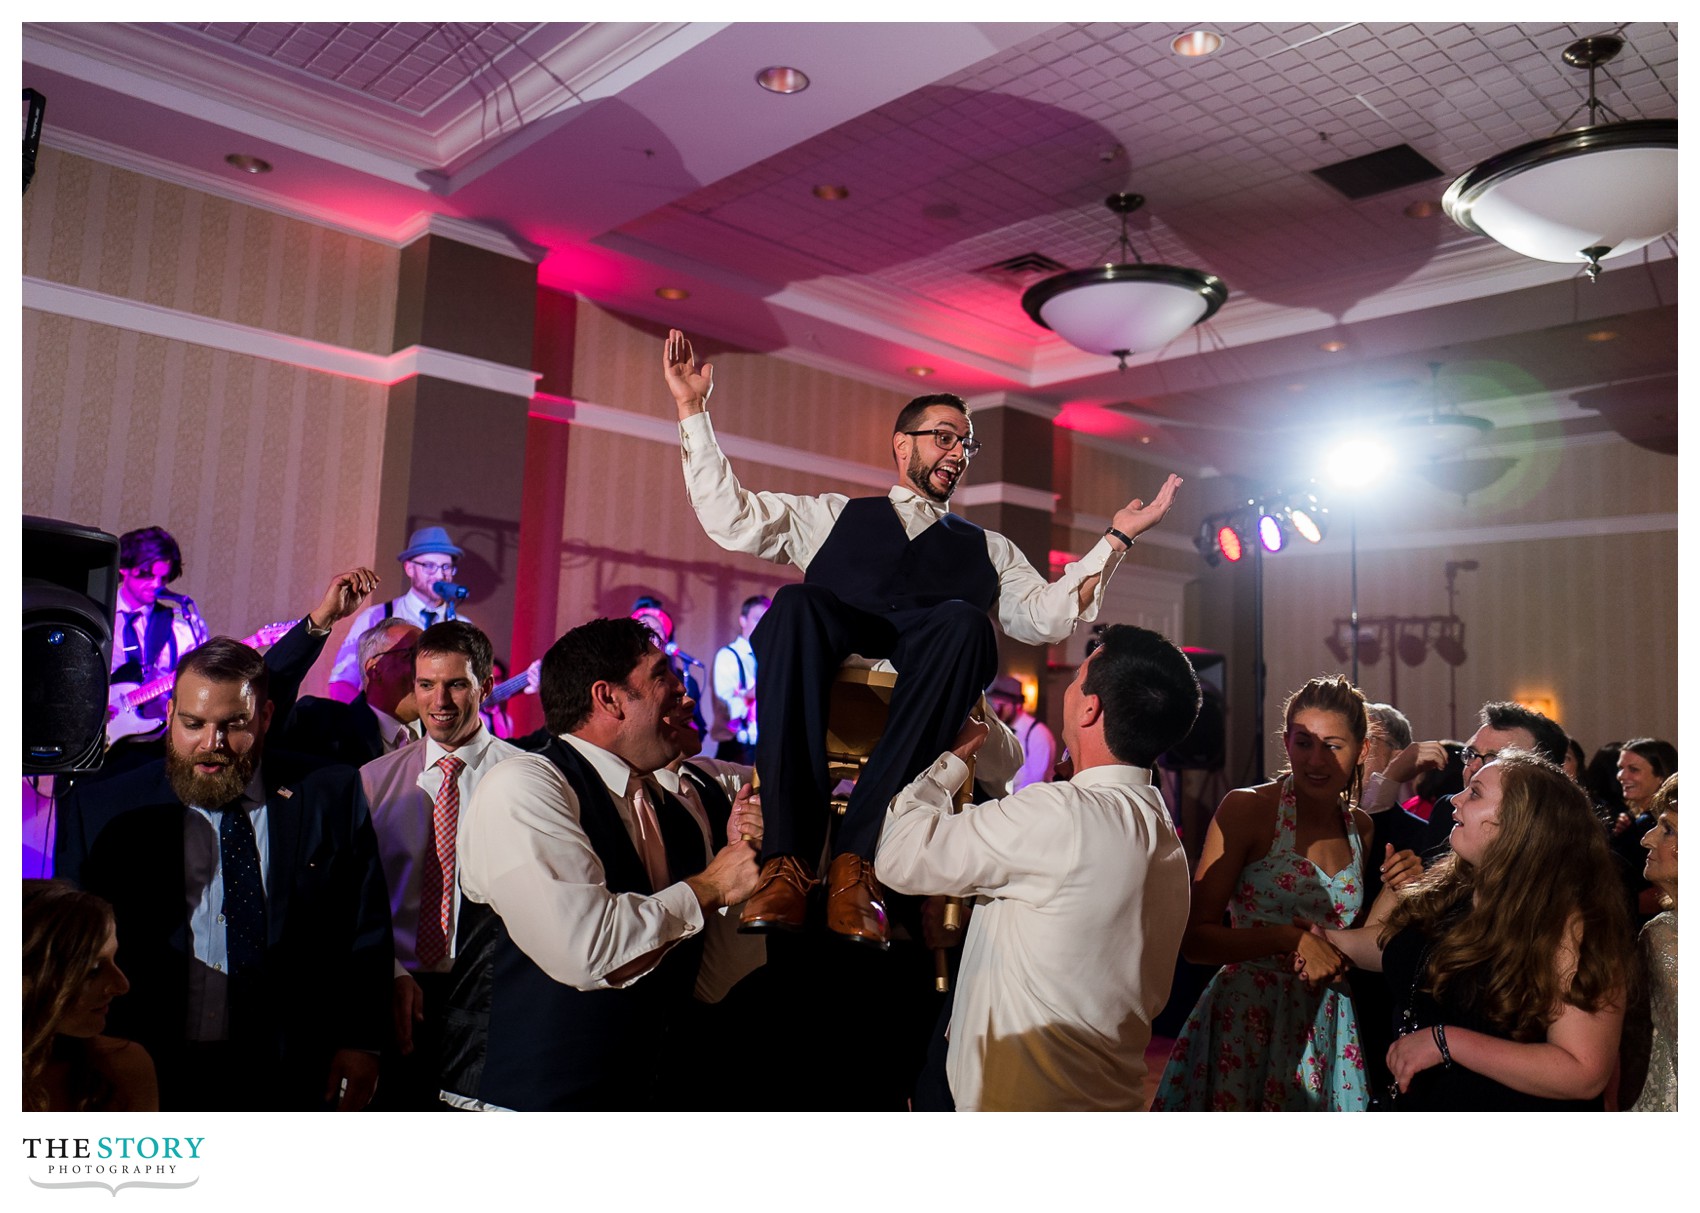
920, 477
208, 791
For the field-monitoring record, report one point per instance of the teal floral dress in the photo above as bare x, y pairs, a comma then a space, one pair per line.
1259, 1039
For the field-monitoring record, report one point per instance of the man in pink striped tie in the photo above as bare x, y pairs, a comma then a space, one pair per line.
418, 793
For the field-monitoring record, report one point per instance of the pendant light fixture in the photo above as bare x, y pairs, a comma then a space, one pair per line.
1442, 431
1582, 195
1127, 307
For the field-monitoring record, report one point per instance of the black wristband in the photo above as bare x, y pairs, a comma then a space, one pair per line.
1111, 531
1439, 1033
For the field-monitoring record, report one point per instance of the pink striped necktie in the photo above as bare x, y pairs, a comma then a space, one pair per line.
437, 879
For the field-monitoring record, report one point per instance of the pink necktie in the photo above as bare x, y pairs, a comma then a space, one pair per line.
650, 847
437, 880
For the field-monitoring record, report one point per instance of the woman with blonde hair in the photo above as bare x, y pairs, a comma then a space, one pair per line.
70, 978
1509, 962
1261, 1038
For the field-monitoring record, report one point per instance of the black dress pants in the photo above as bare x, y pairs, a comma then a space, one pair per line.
944, 654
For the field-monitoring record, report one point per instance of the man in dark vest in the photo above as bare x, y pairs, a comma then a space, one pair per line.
896, 576
601, 881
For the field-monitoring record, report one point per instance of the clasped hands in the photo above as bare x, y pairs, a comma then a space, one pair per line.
1315, 959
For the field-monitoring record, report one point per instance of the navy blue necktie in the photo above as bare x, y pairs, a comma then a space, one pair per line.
244, 895
429, 617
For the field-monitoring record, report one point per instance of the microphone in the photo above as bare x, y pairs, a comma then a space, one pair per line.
448, 591
673, 650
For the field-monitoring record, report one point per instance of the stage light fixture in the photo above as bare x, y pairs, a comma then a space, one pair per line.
1228, 543
1412, 646
1270, 532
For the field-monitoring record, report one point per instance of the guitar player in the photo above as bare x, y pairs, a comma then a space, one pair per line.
153, 627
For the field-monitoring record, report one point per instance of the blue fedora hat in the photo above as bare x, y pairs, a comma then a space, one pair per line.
429, 539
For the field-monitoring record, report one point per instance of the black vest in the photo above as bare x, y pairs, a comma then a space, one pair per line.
870, 564
551, 1047
714, 800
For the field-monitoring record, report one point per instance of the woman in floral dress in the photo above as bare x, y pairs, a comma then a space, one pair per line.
1262, 1037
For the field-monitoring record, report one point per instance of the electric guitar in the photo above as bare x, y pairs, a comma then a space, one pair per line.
125, 700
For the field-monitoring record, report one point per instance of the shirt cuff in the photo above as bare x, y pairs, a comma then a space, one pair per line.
681, 902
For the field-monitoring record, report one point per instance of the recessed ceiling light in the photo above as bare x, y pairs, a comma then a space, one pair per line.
832, 193
782, 80
672, 293
1145, 440
1196, 43
1332, 346
1602, 335
1422, 208
920, 372
247, 164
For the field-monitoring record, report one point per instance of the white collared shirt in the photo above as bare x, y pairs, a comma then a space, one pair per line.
1081, 895
402, 789
203, 878
790, 529
524, 853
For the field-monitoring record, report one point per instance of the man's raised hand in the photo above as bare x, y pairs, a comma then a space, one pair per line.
343, 596
1135, 518
691, 386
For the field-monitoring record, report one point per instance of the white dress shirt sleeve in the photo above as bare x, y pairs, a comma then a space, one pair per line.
925, 849
781, 527
524, 853
1035, 611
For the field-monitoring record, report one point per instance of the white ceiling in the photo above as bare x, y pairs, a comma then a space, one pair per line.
635, 156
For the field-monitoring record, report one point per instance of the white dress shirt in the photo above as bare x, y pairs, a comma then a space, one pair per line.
1081, 895
523, 853
789, 529
410, 606
734, 689
727, 956
391, 730
402, 789
203, 875
188, 631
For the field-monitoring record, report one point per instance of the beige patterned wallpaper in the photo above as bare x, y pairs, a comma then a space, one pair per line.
265, 473
108, 229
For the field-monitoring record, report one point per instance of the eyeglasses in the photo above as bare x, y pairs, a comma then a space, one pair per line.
947, 440
1469, 755
436, 570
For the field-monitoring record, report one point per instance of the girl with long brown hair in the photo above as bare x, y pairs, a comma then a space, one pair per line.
71, 976
1509, 962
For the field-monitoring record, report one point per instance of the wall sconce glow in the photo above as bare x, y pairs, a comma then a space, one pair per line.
672, 293
1602, 335
1332, 346
1358, 461
1423, 208
832, 193
1195, 44
782, 80
247, 164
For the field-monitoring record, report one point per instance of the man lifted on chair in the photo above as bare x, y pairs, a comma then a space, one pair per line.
895, 576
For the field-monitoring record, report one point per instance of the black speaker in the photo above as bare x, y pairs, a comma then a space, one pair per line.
70, 586
1205, 748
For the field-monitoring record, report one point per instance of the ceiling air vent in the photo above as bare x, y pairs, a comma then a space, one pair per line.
1020, 270
1389, 169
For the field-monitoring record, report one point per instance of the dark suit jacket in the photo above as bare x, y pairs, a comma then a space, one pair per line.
333, 731
324, 982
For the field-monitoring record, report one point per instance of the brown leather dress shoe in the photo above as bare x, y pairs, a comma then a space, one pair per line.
855, 905
781, 897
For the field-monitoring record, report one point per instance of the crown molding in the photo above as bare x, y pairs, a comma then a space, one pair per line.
1010, 400
658, 429
1002, 492
130, 315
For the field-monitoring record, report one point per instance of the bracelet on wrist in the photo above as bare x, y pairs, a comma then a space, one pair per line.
1121, 535
1439, 1033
